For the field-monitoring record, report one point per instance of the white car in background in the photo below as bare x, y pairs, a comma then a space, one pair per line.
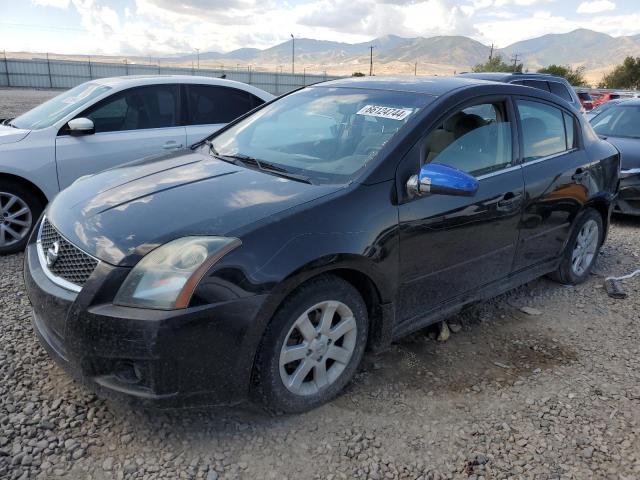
101, 124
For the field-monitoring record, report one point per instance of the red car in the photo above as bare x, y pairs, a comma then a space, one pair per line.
603, 97
586, 101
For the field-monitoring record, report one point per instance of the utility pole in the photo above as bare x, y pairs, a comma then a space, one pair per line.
49, 69
293, 54
415, 69
515, 61
198, 55
491, 53
370, 60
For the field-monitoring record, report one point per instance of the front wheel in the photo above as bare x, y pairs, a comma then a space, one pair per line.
582, 249
312, 347
19, 210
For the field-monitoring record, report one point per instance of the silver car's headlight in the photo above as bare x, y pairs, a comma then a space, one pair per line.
167, 276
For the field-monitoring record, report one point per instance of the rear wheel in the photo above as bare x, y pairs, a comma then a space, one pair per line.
312, 346
582, 249
19, 210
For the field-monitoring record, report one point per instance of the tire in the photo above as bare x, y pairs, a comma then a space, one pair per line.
16, 227
281, 383
567, 272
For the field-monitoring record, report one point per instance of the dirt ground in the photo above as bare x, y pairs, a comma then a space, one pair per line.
553, 393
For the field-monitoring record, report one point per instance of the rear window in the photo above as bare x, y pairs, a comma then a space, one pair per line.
539, 84
584, 96
560, 90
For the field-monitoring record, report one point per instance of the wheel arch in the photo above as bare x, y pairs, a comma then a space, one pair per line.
27, 184
602, 205
360, 273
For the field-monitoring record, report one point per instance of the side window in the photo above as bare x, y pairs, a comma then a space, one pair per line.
570, 129
138, 108
539, 84
255, 101
476, 140
211, 104
543, 129
560, 90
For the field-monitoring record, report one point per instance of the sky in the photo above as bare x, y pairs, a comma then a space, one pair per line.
160, 27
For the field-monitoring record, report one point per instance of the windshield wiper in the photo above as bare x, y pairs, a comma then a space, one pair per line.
267, 167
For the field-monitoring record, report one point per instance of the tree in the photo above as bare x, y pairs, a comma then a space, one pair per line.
574, 76
357, 74
626, 75
496, 64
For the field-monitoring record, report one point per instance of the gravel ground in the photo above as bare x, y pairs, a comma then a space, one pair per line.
542, 382
14, 101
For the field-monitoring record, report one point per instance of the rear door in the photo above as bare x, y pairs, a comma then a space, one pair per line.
556, 175
451, 245
209, 107
129, 125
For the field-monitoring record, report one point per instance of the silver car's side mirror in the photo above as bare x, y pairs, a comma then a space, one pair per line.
81, 126
442, 179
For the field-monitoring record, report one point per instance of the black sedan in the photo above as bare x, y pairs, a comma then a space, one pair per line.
620, 125
262, 262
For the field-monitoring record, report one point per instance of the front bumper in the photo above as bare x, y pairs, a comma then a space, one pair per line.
628, 201
199, 355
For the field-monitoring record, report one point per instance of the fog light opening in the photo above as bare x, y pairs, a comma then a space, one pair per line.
128, 372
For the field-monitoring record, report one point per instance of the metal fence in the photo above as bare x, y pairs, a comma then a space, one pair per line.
45, 73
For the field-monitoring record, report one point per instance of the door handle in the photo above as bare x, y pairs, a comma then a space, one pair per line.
172, 145
579, 174
510, 201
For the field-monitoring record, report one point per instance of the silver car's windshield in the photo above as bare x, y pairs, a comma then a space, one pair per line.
51, 111
325, 134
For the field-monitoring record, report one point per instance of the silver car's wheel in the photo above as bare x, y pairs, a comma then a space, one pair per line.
585, 247
16, 219
318, 348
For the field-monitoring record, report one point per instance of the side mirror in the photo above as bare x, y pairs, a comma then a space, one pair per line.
442, 179
81, 126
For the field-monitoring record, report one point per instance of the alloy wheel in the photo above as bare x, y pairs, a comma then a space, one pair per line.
15, 219
585, 247
318, 347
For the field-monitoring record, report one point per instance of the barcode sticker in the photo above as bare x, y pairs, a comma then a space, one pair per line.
385, 112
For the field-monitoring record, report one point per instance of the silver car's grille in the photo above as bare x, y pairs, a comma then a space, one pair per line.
64, 263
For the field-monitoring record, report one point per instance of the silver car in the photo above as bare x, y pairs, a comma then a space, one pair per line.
101, 124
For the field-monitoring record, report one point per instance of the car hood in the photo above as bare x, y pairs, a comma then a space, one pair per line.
11, 135
629, 151
121, 214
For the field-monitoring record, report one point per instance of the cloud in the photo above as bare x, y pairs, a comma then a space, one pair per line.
596, 6
52, 3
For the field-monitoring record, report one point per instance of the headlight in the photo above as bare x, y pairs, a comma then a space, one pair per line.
167, 276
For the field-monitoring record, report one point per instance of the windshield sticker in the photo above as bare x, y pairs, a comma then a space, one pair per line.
385, 112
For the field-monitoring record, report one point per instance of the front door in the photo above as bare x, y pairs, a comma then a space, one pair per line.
450, 245
129, 125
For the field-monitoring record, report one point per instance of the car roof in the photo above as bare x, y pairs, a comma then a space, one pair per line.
434, 86
504, 76
120, 83
627, 102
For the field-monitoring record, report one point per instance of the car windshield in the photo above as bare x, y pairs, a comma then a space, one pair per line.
325, 134
58, 107
618, 121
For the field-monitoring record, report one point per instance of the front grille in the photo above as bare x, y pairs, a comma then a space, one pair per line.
71, 264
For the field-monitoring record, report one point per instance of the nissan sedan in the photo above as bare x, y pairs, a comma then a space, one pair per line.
264, 261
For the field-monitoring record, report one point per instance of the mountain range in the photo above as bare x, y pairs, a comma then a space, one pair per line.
597, 52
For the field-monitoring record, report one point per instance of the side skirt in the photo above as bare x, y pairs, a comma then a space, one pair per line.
454, 305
